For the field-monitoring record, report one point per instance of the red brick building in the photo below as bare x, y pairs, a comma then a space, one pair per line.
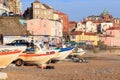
64, 18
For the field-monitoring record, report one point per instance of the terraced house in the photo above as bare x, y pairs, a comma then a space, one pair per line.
45, 27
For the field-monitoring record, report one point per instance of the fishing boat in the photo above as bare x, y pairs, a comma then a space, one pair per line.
38, 55
79, 52
63, 53
9, 53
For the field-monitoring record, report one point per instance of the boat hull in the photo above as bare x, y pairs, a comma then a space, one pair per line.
38, 58
62, 54
79, 52
8, 54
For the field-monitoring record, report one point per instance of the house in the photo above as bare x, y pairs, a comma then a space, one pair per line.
99, 23
39, 10
85, 37
64, 19
15, 6
56, 16
105, 26
88, 26
112, 37
50, 28
80, 27
72, 26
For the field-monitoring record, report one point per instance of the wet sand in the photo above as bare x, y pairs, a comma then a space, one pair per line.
99, 67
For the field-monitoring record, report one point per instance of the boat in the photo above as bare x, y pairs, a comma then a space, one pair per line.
63, 53
38, 55
9, 53
76, 55
79, 52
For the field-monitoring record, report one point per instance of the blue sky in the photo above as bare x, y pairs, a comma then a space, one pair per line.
79, 9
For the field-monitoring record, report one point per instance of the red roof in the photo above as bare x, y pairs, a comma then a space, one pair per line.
80, 32
89, 33
60, 13
76, 33
72, 22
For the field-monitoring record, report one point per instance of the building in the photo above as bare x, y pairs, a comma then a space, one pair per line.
72, 26
64, 19
103, 17
89, 26
117, 20
112, 37
84, 37
98, 23
15, 6
80, 27
56, 16
105, 26
1, 1
45, 27
39, 10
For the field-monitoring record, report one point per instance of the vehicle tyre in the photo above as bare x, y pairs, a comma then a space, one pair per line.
4, 14
19, 62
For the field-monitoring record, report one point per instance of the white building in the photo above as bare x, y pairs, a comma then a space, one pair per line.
91, 27
105, 25
87, 27
80, 27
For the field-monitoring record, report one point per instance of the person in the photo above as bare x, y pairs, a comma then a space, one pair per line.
46, 45
63, 45
28, 48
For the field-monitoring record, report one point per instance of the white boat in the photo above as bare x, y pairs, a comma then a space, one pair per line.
9, 53
63, 53
78, 52
39, 55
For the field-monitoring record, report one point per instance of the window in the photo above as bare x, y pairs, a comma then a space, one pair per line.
44, 13
110, 32
37, 12
49, 12
44, 25
37, 6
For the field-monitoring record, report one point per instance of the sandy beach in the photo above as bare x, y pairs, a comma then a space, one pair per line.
100, 66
